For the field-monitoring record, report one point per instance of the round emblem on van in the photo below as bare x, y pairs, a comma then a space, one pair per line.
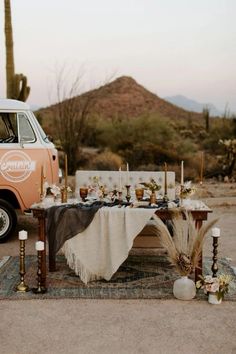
16, 166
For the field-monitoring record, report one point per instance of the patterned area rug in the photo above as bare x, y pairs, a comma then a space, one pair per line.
139, 277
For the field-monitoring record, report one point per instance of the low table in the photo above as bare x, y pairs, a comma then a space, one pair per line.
40, 213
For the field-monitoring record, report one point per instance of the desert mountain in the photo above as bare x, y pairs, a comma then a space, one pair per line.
125, 98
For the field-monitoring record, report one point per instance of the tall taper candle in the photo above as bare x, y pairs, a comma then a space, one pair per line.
201, 167
120, 185
41, 182
182, 173
127, 174
165, 180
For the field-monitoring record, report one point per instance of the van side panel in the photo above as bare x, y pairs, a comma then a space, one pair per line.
21, 170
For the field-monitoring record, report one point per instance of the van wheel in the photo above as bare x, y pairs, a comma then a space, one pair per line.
8, 220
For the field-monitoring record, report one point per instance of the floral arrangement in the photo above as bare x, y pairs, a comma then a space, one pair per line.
218, 285
152, 185
186, 190
184, 246
97, 187
53, 190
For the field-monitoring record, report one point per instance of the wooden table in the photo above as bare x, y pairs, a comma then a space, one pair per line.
164, 214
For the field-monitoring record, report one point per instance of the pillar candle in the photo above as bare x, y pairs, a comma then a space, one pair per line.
165, 184
182, 173
215, 232
23, 235
39, 246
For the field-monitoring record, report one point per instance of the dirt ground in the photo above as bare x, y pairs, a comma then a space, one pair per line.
126, 326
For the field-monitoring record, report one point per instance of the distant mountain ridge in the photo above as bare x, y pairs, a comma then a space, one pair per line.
192, 105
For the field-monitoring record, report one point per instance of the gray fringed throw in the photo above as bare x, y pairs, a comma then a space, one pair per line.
65, 221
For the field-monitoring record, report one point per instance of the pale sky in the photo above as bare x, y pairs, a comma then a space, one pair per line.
171, 47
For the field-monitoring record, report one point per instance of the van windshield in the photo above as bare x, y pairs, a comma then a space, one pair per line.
26, 131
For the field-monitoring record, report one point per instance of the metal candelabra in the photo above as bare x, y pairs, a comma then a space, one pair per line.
128, 196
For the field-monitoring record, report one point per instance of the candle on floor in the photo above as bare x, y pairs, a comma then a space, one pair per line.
39, 246
215, 232
23, 235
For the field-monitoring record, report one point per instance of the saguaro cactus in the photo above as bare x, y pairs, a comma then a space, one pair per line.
16, 83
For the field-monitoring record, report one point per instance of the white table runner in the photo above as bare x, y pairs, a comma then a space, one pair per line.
98, 251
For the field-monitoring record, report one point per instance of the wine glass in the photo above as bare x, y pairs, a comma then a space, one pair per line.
83, 192
139, 193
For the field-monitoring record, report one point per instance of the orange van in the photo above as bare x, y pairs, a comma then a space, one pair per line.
24, 152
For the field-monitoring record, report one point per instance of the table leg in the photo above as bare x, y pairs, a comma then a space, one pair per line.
52, 263
198, 270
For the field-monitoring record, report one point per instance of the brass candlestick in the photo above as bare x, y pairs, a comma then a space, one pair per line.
181, 195
63, 195
214, 267
40, 289
128, 196
22, 287
165, 198
120, 198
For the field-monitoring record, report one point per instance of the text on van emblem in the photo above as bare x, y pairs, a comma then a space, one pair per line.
16, 166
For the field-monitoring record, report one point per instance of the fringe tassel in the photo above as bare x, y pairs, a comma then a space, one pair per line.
79, 269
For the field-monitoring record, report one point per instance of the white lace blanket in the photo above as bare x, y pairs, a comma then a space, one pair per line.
98, 251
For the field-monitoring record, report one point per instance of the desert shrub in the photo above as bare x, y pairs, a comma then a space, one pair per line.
106, 160
121, 135
221, 128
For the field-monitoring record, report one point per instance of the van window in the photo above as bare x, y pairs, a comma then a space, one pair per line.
25, 129
8, 128
41, 131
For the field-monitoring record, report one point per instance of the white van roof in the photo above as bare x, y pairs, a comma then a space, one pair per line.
13, 105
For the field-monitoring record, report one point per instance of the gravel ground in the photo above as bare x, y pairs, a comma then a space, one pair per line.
121, 326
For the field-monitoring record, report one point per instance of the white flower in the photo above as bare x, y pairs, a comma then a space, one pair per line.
214, 287
55, 190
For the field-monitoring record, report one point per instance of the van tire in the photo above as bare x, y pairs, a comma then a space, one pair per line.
8, 220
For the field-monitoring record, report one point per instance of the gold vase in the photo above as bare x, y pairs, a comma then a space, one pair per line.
153, 198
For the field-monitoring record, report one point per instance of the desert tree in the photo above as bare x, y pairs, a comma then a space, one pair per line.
71, 113
16, 84
229, 159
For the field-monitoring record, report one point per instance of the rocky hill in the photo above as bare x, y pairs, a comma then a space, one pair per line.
125, 98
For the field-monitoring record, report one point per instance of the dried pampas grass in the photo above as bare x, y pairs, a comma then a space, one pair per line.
185, 246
